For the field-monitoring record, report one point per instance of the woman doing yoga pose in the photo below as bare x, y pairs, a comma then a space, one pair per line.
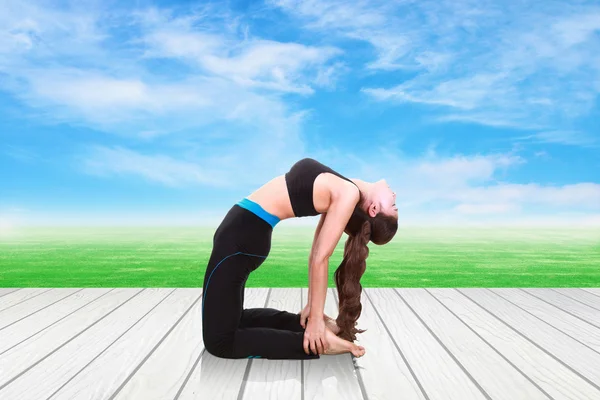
365, 211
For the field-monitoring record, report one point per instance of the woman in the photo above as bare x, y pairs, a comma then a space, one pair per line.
365, 211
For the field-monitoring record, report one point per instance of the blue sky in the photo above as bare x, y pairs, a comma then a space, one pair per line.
169, 112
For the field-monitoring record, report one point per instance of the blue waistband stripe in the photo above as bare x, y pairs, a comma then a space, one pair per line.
258, 210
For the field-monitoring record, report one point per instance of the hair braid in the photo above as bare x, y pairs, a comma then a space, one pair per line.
361, 229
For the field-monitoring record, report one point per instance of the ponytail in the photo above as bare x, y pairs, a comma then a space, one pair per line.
361, 229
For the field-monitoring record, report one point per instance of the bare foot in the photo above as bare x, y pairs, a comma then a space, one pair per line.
337, 345
331, 324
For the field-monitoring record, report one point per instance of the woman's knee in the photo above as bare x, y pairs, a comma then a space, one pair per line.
214, 349
219, 348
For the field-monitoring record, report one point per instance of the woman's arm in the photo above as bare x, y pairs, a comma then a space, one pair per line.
338, 214
312, 252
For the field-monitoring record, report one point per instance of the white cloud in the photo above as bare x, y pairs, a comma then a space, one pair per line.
569, 223
510, 81
441, 184
466, 188
431, 190
130, 218
101, 97
286, 67
227, 105
103, 161
574, 196
567, 137
491, 63
87, 80
151, 73
34, 31
108, 102
464, 93
239, 166
361, 20
459, 170
498, 208
252, 62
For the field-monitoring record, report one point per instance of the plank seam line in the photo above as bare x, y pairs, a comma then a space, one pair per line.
361, 383
187, 378
489, 344
487, 396
57, 321
107, 347
27, 299
568, 312
548, 323
412, 372
37, 311
14, 291
154, 349
249, 364
587, 291
67, 342
572, 298
531, 341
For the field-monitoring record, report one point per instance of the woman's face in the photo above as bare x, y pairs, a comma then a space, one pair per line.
387, 198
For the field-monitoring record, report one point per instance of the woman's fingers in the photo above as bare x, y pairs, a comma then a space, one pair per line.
316, 343
306, 342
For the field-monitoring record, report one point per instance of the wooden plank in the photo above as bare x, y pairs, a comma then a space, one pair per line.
497, 377
383, 369
331, 376
580, 358
112, 367
565, 303
179, 351
581, 296
221, 378
277, 379
64, 363
559, 319
34, 305
440, 376
18, 358
20, 296
28, 327
5, 291
552, 376
595, 291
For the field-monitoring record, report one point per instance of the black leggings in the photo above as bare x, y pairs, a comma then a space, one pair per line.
240, 245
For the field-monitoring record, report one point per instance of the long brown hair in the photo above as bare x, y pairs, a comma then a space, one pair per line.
361, 229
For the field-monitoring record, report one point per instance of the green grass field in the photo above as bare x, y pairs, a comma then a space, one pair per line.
423, 257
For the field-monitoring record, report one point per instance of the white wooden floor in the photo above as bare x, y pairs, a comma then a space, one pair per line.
420, 344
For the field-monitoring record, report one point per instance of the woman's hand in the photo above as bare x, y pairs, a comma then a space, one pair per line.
314, 336
304, 315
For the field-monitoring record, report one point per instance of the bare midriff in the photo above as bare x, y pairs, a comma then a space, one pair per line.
274, 198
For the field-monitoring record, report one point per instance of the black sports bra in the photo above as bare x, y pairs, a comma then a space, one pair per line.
300, 181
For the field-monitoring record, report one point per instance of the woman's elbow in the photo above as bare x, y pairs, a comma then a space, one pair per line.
321, 259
